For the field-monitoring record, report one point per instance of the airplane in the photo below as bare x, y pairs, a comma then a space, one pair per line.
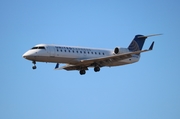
82, 58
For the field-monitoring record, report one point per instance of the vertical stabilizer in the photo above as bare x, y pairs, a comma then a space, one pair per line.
137, 43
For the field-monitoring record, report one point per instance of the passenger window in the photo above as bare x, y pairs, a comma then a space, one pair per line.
80, 51
64, 50
99, 53
77, 51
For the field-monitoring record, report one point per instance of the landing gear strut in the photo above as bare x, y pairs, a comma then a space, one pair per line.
34, 67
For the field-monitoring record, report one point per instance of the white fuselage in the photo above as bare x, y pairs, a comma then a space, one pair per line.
81, 58
72, 55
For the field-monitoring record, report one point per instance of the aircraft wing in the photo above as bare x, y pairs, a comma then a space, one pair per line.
101, 60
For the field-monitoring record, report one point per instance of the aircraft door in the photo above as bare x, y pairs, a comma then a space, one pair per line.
51, 51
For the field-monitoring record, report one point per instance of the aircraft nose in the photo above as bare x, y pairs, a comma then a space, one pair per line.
28, 54
25, 55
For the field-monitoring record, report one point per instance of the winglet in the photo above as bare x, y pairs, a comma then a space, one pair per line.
57, 66
152, 45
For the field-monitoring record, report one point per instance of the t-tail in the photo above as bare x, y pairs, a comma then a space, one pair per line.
138, 42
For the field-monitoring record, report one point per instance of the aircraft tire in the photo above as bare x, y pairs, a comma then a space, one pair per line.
82, 72
96, 69
34, 67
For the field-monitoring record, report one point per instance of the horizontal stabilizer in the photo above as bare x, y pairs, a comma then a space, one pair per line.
149, 35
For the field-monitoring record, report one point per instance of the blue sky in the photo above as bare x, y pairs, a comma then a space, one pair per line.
144, 90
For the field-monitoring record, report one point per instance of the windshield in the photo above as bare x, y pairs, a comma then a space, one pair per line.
39, 47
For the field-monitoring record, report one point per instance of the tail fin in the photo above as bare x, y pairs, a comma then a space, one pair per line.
137, 43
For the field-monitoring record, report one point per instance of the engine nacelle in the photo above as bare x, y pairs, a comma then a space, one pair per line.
116, 50
120, 50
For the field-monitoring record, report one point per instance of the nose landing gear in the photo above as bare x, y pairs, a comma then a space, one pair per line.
34, 67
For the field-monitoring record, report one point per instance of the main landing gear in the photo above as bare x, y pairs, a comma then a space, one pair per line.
97, 69
34, 67
83, 71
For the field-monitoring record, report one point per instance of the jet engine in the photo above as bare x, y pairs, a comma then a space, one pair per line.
116, 50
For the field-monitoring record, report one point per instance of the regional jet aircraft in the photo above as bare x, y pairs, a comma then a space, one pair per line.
82, 58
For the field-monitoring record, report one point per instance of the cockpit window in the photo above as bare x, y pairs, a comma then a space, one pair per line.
34, 48
40, 47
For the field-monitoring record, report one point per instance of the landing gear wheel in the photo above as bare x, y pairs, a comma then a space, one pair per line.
34, 67
96, 69
82, 72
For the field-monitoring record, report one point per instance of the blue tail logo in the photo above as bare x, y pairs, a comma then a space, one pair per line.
137, 43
